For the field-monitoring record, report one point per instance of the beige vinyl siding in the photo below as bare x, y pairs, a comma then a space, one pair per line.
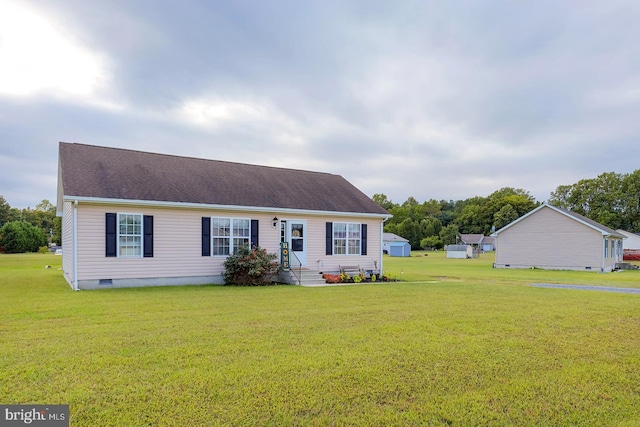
549, 239
67, 242
177, 243
317, 259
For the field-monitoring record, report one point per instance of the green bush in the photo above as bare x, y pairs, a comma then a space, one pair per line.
431, 242
21, 236
250, 267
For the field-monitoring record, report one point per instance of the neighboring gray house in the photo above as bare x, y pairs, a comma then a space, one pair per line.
389, 238
488, 244
399, 249
479, 241
554, 238
631, 241
133, 218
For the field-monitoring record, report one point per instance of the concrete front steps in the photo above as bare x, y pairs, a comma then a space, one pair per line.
307, 277
311, 278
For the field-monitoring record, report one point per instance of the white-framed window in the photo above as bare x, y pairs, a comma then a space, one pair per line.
347, 238
229, 234
606, 248
613, 248
129, 235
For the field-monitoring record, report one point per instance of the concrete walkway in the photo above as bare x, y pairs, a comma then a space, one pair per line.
588, 288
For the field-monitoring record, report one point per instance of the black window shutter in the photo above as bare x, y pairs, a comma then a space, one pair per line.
147, 225
254, 233
206, 236
363, 240
111, 234
329, 239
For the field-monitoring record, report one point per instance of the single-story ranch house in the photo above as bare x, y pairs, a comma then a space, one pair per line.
553, 238
479, 241
132, 218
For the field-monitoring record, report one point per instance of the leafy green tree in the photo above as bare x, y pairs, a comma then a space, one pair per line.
431, 242
411, 230
504, 216
471, 220
411, 201
21, 236
400, 213
604, 199
57, 231
631, 202
450, 234
431, 226
447, 213
46, 206
432, 208
6, 213
383, 201
560, 197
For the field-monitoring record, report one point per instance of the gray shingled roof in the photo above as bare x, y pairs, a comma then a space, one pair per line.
391, 237
113, 173
475, 239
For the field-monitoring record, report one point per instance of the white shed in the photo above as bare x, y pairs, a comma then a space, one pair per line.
459, 251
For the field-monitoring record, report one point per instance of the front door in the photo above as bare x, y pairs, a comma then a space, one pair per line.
297, 238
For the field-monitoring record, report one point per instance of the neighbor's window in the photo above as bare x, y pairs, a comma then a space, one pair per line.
346, 238
229, 234
129, 235
606, 248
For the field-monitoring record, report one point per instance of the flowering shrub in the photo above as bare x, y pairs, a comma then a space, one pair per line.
332, 278
250, 267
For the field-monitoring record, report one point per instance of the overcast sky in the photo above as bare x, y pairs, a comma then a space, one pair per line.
430, 99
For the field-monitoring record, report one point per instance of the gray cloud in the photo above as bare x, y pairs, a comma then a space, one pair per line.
444, 100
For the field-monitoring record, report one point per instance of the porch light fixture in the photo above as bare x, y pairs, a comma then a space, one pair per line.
274, 222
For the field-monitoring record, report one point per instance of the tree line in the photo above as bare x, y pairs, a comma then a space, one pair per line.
436, 223
612, 199
28, 230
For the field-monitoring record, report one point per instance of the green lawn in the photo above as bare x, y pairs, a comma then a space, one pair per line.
455, 343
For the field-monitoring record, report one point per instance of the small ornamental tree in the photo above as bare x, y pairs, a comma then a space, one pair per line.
250, 267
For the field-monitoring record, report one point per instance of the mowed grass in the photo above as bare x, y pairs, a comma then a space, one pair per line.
455, 343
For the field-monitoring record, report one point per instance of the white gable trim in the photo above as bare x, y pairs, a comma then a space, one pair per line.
546, 205
184, 205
